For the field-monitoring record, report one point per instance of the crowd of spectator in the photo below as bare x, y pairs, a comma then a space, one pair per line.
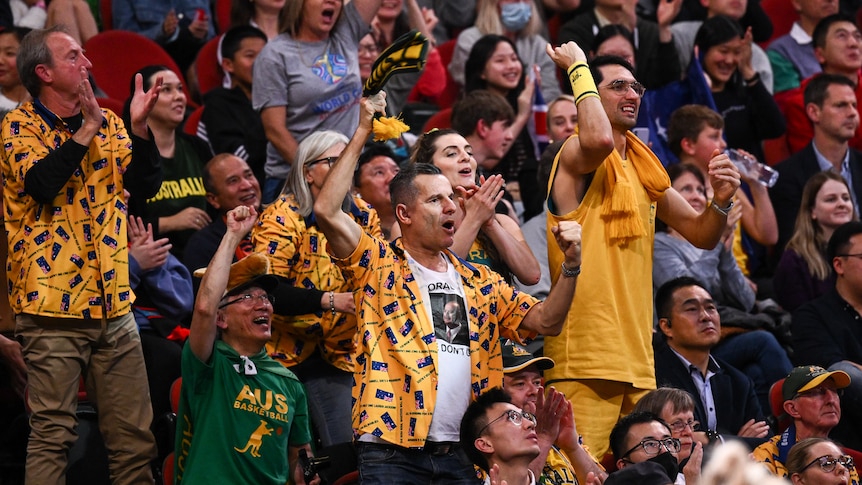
237, 279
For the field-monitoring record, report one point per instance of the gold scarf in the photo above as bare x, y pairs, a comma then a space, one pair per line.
621, 212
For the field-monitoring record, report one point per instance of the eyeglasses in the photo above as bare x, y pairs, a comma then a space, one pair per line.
857, 255
679, 426
514, 417
328, 160
827, 463
653, 446
621, 86
821, 392
263, 298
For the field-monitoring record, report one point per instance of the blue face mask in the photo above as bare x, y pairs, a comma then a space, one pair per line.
515, 16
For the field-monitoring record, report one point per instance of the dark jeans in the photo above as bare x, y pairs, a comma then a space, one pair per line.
388, 464
758, 355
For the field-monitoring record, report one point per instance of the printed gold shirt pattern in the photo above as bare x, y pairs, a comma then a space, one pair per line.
65, 256
297, 249
396, 381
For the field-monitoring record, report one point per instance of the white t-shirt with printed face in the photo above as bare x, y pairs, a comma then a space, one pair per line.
448, 311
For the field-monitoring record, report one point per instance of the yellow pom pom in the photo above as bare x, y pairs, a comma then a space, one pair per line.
387, 128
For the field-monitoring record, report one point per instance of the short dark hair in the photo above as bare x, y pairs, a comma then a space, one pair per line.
371, 152
620, 433
664, 295
233, 38
687, 122
475, 419
402, 188
818, 86
818, 36
601, 61
839, 243
206, 173
478, 105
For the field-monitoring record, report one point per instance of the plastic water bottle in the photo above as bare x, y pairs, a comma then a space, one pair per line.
753, 169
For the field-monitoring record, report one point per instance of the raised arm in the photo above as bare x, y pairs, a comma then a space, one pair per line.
203, 328
367, 9
704, 229
341, 231
581, 154
548, 317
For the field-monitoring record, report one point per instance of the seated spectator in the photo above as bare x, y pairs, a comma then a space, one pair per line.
811, 399
12, 90
375, 169
676, 408
562, 119
307, 80
803, 273
318, 347
819, 460
179, 209
826, 330
792, 55
837, 44
220, 432
181, 27
756, 353
654, 41
642, 437
494, 66
519, 21
562, 458
690, 326
232, 125
500, 438
481, 235
694, 133
684, 34
829, 101
743, 100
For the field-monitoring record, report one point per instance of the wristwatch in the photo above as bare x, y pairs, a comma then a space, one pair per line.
713, 436
571, 272
722, 210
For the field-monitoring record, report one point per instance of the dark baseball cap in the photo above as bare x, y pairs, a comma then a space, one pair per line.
516, 357
806, 377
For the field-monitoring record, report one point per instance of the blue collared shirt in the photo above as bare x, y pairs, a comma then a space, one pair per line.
844, 172
704, 387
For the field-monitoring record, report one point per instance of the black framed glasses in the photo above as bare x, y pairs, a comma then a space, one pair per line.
263, 298
653, 446
328, 160
514, 417
828, 463
857, 255
679, 426
621, 86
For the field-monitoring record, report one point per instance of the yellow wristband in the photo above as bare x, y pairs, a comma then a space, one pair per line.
582, 82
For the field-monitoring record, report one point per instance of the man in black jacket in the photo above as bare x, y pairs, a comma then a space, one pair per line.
826, 330
725, 401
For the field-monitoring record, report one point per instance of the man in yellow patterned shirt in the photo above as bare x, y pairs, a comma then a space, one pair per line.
404, 371
65, 163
